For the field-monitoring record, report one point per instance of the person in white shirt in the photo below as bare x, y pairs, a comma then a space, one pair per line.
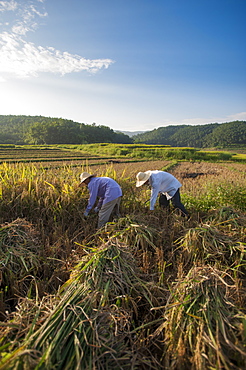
166, 185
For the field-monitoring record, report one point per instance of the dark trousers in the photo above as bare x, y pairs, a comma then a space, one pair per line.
176, 202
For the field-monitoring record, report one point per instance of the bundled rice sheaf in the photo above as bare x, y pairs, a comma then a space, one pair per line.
20, 259
133, 233
232, 222
208, 243
202, 327
92, 325
142, 240
227, 215
28, 316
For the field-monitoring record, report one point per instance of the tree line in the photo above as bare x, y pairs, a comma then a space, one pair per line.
223, 135
47, 130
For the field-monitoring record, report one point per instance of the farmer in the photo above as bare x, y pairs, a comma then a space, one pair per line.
166, 185
109, 193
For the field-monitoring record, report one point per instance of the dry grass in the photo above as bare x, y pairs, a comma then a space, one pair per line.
218, 173
202, 327
20, 262
90, 325
148, 291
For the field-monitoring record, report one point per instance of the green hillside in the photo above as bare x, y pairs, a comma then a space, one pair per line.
47, 130
229, 134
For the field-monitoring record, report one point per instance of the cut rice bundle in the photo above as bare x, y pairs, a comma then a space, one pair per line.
20, 259
91, 325
139, 237
206, 243
202, 327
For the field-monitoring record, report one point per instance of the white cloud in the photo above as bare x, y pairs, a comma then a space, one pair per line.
24, 14
20, 29
22, 59
8, 5
29, 16
237, 117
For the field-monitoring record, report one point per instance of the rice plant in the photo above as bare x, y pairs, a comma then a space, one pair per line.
112, 312
230, 220
20, 260
89, 327
208, 244
140, 238
202, 327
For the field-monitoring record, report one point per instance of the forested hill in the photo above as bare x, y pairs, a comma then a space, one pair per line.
229, 134
46, 130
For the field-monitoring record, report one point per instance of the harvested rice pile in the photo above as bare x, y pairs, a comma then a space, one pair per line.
20, 260
202, 327
129, 304
94, 320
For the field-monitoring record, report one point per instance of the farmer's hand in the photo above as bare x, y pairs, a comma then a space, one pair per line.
150, 211
96, 209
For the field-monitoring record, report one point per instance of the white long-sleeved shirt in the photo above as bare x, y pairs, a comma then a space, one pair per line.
162, 182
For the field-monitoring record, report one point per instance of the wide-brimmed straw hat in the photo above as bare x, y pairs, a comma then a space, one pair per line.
142, 177
84, 176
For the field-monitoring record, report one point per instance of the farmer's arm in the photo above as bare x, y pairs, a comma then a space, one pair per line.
93, 189
99, 204
153, 197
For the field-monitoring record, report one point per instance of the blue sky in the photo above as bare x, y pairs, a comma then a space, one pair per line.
132, 65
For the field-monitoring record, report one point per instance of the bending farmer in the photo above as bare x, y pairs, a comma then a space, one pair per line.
109, 193
166, 185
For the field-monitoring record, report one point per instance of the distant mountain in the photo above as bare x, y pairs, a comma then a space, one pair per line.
132, 133
228, 134
47, 130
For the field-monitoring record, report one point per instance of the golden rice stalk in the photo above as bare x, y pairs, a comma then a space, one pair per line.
202, 328
89, 327
26, 318
142, 239
230, 222
227, 216
19, 255
208, 243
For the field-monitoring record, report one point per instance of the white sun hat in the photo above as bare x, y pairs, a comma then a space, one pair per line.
84, 176
142, 177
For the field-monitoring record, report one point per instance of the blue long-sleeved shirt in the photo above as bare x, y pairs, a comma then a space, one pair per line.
162, 182
104, 188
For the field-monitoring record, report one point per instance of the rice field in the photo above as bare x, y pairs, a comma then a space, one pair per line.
149, 290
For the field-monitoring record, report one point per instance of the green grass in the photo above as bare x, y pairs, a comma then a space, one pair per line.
138, 151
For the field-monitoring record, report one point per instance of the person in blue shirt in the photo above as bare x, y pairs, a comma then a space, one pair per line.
109, 193
164, 184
